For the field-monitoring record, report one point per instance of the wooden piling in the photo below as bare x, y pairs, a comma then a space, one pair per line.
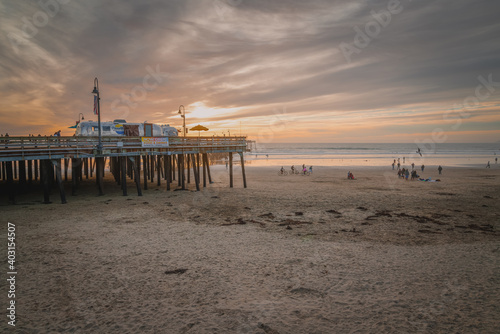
230, 169
86, 168
208, 168
243, 170
158, 169
74, 176
66, 165
183, 171
123, 164
36, 170
45, 165
137, 175
57, 164
168, 172
100, 174
22, 172
188, 168
10, 181
30, 171
196, 171
145, 170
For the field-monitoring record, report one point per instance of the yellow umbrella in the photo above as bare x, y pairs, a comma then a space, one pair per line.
199, 128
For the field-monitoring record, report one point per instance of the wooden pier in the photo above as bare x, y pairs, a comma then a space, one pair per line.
25, 160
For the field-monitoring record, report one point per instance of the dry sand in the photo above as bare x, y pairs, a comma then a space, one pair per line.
295, 254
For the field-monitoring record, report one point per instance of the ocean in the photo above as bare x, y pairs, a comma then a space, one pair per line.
330, 154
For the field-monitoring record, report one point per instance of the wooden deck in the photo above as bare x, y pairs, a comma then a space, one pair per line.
40, 159
40, 148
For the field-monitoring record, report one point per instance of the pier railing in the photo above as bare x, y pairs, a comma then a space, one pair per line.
30, 148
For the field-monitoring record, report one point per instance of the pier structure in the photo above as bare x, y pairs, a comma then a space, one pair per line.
24, 160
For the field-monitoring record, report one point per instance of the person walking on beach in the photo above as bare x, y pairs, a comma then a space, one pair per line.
496, 159
440, 169
393, 166
422, 168
488, 165
399, 165
407, 173
311, 168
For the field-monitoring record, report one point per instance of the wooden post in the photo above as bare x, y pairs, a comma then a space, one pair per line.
168, 172
22, 172
137, 175
183, 171
123, 164
189, 168
179, 176
30, 171
44, 166
15, 170
145, 170
243, 170
152, 160
204, 170
100, 174
172, 158
196, 170
57, 164
165, 167
66, 165
208, 168
158, 169
86, 167
91, 164
73, 176
36, 170
230, 169
10, 180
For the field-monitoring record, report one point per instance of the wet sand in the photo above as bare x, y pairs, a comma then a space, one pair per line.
294, 254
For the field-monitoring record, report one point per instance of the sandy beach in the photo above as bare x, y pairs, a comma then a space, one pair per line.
289, 254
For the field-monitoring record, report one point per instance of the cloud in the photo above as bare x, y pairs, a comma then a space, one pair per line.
246, 56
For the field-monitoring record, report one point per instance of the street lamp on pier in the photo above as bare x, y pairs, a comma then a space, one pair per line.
183, 115
97, 109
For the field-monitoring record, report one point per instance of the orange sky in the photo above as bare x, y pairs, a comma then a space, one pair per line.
277, 72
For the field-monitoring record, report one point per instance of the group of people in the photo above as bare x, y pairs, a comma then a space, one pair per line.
303, 170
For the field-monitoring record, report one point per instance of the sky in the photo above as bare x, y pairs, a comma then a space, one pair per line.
275, 71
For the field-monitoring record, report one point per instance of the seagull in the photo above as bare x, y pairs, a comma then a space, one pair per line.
418, 151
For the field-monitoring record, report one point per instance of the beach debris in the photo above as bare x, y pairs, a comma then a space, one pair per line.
299, 213
267, 215
240, 221
484, 227
145, 202
176, 271
487, 196
333, 211
362, 208
288, 227
247, 208
383, 213
267, 329
353, 230
429, 232
215, 197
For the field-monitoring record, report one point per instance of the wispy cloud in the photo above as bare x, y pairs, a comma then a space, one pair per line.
239, 62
